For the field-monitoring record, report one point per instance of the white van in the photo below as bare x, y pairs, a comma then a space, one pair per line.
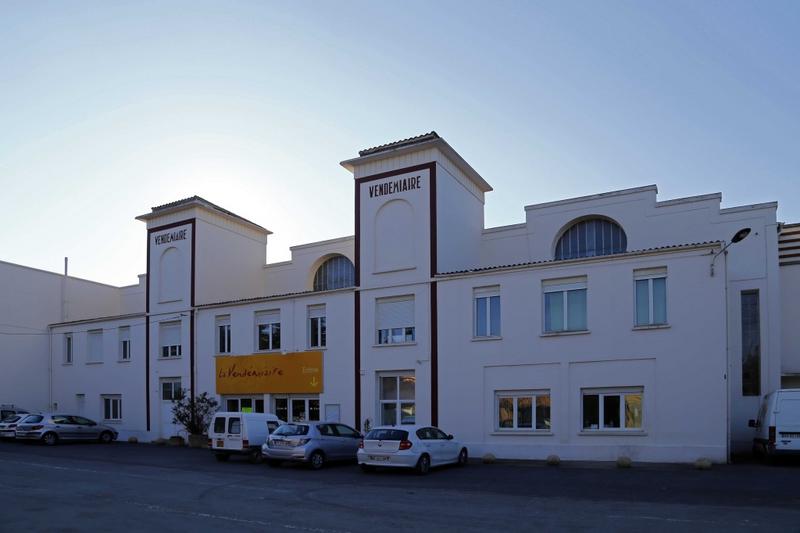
778, 424
240, 433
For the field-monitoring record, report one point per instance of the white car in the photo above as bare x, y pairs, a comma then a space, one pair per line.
777, 428
8, 426
419, 447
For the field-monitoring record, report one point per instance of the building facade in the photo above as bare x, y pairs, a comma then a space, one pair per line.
607, 325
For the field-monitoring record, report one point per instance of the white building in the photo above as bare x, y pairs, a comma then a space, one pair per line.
600, 326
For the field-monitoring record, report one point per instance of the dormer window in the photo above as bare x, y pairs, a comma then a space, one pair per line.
591, 237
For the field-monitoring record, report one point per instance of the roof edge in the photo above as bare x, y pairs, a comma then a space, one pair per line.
598, 196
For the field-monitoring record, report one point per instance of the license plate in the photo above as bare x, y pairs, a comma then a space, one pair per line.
282, 443
378, 457
220, 443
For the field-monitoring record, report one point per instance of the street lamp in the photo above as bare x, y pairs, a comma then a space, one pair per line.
739, 236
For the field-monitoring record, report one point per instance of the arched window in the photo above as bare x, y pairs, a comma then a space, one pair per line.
591, 237
335, 273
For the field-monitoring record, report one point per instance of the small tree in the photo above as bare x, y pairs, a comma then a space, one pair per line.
194, 414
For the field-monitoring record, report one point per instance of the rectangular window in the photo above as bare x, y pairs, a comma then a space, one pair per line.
94, 346
565, 305
522, 411
487, 312
125, 343
651, 296
297, 409
170, 339
317, 327
170, 389
68, 348
223, 326
112, 407
268, 329
612, 409
397, 399
751, 344
394, 318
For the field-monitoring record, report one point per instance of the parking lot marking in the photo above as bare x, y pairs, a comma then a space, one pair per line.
293, 527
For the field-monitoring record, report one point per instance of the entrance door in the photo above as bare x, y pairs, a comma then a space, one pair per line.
170, 390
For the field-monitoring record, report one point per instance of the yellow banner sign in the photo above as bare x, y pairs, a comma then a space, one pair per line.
270, 373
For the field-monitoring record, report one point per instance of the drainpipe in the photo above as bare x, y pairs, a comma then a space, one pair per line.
728, 368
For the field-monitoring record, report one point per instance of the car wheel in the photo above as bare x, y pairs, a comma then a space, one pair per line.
274, 463
463, 457
50, 439
256, 457
221, 457
423, 465
367, 468
106, 437
317, 460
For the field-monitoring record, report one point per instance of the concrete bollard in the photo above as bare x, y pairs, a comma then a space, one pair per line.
132, 439
489, 459
703, 463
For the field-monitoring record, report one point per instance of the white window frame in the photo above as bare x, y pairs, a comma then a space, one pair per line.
650, 274
601, 393
108, 401
406, 334
317, 313
124, 333
486, 293
515, 395
90, 357
564, 286
174, 392
69, 348
174, 351
222, 329
268, 318
397, 401
238, 399
307, 406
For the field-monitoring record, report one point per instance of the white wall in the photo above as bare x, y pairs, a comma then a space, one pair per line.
682, 367
32, 299
790, 318
338, 362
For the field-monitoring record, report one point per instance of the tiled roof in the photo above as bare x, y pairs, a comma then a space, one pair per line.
397, 144
271, 297
554, 261
198, 199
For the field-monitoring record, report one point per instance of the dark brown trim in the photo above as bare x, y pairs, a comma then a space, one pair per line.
150, 231
390, 173
191, 350
357, 356
434, 355
358, 234
781, 240
784, 248
434, 227
787, 256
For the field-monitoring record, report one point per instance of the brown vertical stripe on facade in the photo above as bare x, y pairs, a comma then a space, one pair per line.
434, 356
150, 231
357, 355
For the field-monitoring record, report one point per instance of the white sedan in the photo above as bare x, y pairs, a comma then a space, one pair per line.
419, 447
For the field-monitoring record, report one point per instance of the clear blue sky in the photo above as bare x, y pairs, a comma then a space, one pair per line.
109, 108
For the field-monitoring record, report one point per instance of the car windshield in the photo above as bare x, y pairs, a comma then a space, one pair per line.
289, 430
11, 418
32, 419
387, 434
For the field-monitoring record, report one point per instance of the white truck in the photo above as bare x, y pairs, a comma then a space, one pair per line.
777, 428
234, 433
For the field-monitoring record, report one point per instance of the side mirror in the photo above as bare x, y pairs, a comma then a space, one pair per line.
449, 437
752, 423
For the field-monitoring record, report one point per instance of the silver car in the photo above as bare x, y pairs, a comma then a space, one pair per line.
8, 425
51, 428
312, 443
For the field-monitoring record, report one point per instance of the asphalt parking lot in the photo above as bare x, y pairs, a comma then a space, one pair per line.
123, 487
